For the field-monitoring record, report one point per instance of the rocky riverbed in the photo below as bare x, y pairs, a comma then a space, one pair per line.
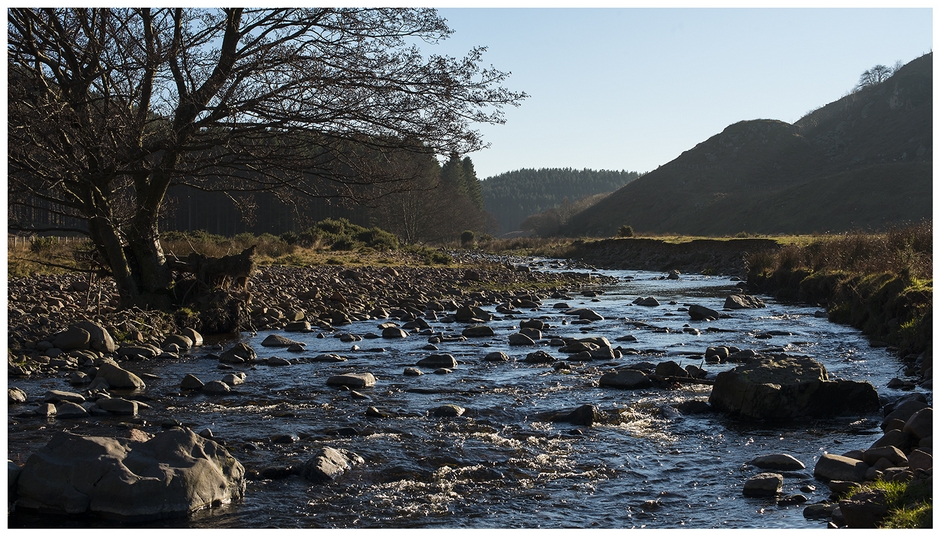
564, 386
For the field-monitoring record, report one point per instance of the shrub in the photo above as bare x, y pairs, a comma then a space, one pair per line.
466, 238
41, 244
625, 231
290, 238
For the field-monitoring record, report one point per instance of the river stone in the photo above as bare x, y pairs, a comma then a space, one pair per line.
448, 410
15, 395
234, 378
191, 383
355, 380
497, 357
698, 312
329, 358
743, 301
437, 361
478, 331
763, 485
73, 338
896, 438
278, 341
789, 387
888, 452
585, 415
181, 341
55, 396
275, 361
412, 371
780, 462
193, 335
118, 378
68, 409
297, 326
470, 314
394, 333
539, 356
520, 339
99, 338
920, 424
648, 301
864, 510
840, 468
625, 379
138, 351
240, 353
171, 475
329, 464
118, 406
533, 323
920, 458
216, 387
671, 369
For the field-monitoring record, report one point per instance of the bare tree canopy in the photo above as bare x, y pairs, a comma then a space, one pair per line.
110, 107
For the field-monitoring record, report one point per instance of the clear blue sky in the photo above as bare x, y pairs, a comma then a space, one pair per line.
632, 88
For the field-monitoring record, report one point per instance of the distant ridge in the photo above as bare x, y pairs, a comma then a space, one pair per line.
862, 162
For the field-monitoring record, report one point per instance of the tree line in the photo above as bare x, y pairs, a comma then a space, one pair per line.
513, 196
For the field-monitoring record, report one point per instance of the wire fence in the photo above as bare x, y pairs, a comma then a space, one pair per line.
17, 241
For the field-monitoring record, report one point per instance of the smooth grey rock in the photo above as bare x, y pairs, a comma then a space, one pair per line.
171, 475
780, 462
356, 380
920, 424
73, 338
394, 333
763, 485
840, 468
329, 464
118, 406
191, 383
15, 395
448, 410
99, 337
479, 331
240, 353
743, 301
437, 361
520, 339
216, 387
497, 357
118, 378
625, 379
699, 312
69, 410
277, 341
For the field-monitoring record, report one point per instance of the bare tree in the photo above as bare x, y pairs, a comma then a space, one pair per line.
110, 107
875, 75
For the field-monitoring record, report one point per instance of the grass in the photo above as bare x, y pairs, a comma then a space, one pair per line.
910, 504
880, 283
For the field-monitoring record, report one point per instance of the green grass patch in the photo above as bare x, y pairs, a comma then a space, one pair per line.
910, 504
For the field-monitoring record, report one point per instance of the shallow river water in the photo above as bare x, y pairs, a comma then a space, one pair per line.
502, 464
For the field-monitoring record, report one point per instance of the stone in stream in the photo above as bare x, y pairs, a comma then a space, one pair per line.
329, 464
278, 341
625, 379
55, 396
15, 395
779, 462
216, 387
118, 406
784, 387
355, 380
68, 409
73, 338
240, 353
478, 331
448, 410
99, 337
497, 357
191, 383
539, 356
181, 341
520, 339
118, 378
833, 467
698, 312
743, 301
437, 361
648, 301
763, 485
171, 475
394, 333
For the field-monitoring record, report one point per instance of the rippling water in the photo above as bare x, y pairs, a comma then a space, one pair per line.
502, 464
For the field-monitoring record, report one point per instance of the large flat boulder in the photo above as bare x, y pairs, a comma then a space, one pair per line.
783, 387
171, 475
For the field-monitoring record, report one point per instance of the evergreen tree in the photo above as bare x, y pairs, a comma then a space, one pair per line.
472, 183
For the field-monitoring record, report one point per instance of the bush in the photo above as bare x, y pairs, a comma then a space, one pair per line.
625, 231
290, 238
41, 244
466, 238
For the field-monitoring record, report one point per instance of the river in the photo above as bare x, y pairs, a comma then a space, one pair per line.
502, 464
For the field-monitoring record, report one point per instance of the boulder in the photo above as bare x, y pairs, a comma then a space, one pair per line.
864, 510
73, 338
833, 467
497, 357
437, 361
743, 301
539, 356
118, 406
783, 387
479, 331
216, 387
329, 464
182, 341
779, 462
763, 485
99, 338
520, 339
394, 333
171, 475
193, 335
648, 301
355, 380
448, 410
585, 415
920, 459
891, 453
240, 353
278, 341
15, 395
118, 378
625, 379
191, 383
698, 312
671, 369
920, 424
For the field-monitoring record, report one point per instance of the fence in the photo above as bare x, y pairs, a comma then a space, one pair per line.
15, 241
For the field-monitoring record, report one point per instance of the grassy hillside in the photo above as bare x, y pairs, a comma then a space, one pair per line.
862, 162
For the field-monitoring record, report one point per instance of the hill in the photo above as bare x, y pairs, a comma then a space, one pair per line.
512, 196
862, 162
